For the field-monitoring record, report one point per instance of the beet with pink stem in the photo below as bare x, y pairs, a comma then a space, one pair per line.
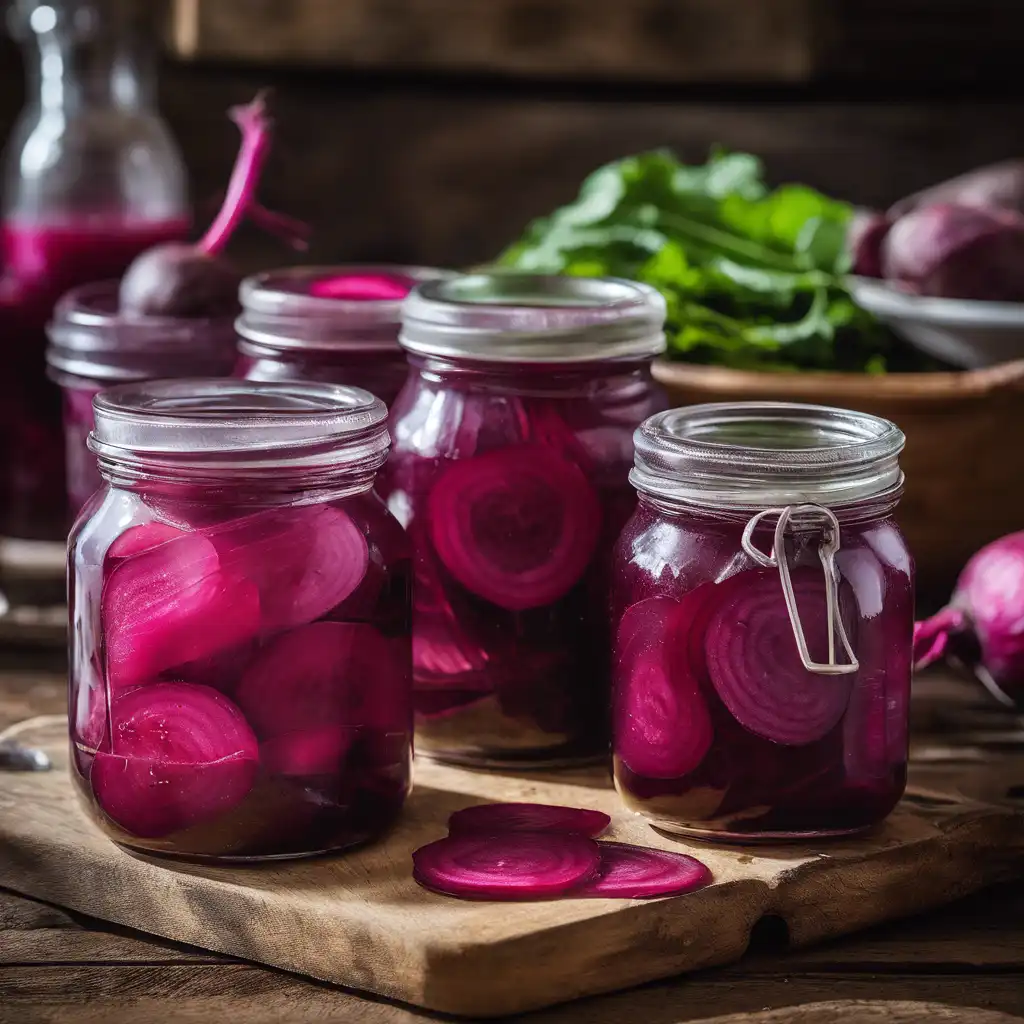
495, 818
511, 866
984, 621
194, 280
637, 873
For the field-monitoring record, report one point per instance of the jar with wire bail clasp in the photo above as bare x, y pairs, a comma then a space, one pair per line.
240, 662
762, 607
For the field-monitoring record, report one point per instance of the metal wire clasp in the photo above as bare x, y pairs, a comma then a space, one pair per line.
826, 552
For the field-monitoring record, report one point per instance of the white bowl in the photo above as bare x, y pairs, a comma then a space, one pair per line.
963, 332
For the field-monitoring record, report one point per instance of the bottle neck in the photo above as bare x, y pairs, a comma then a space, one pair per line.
68, 74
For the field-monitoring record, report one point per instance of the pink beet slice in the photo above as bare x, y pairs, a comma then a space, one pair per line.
516, 526
662, 726
363, 287
637, 873
316, 752
495, 818
181, 755
172, 604
137, 539
754, 664
327, 674
304, 561
511, 866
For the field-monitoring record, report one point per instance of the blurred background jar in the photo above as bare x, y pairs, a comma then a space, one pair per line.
91, 178
93, 346
334, 324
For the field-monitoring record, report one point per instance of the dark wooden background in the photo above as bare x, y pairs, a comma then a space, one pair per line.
446, 168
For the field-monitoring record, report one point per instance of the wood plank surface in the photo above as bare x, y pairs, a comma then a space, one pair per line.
659, 40
360, 920
959, 964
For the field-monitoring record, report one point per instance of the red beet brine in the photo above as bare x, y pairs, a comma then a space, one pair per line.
512, 449
335, 324
763, 605
240, 603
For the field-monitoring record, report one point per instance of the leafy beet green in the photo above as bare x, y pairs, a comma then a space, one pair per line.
753, 277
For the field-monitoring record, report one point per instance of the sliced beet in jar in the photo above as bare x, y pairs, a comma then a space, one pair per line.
762, 647
512, 450
335, 324
241, 665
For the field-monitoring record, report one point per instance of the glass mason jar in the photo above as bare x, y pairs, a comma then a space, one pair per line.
240, 664
91, 178
510, 468
93, 345
763, 607
335, 324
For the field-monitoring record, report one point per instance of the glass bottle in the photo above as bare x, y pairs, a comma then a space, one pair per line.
763, 605
91, 178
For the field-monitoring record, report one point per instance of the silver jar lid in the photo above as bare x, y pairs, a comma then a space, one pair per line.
756, 455
532, 318
282, 312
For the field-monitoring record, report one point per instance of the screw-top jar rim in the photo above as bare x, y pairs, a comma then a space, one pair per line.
169, 427
91, 338
280, 312
757, 455
510, 317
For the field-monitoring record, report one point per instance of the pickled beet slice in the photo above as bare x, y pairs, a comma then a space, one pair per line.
516, 526
661, 722
512, 866
137, 539
315, 752
494, 818
754, 664
181, 755
304, 561
327, 674
363, 287
172, 604
638, 873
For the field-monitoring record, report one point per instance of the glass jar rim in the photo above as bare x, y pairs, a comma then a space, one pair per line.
202, 421
91, 338
511, 317
757, 455
279, 314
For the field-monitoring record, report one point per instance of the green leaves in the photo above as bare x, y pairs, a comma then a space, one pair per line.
752, 276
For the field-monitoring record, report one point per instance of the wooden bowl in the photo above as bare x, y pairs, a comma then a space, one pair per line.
964, 460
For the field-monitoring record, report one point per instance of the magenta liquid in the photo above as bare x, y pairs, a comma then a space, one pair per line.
40, 263
702, 636
241, 679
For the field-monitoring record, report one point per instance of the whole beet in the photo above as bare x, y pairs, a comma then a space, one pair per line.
956, 251
998, 185
866, 235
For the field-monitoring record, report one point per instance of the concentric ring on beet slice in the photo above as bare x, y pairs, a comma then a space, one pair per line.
304, 561
180, 755
172, 604
516, 526
661, 724
326, 674
512, 866
494, 818
639, 873
754, 664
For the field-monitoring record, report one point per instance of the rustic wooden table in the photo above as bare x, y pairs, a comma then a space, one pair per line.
964, 963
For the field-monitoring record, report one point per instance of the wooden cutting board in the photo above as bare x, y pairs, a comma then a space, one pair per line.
359, 920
